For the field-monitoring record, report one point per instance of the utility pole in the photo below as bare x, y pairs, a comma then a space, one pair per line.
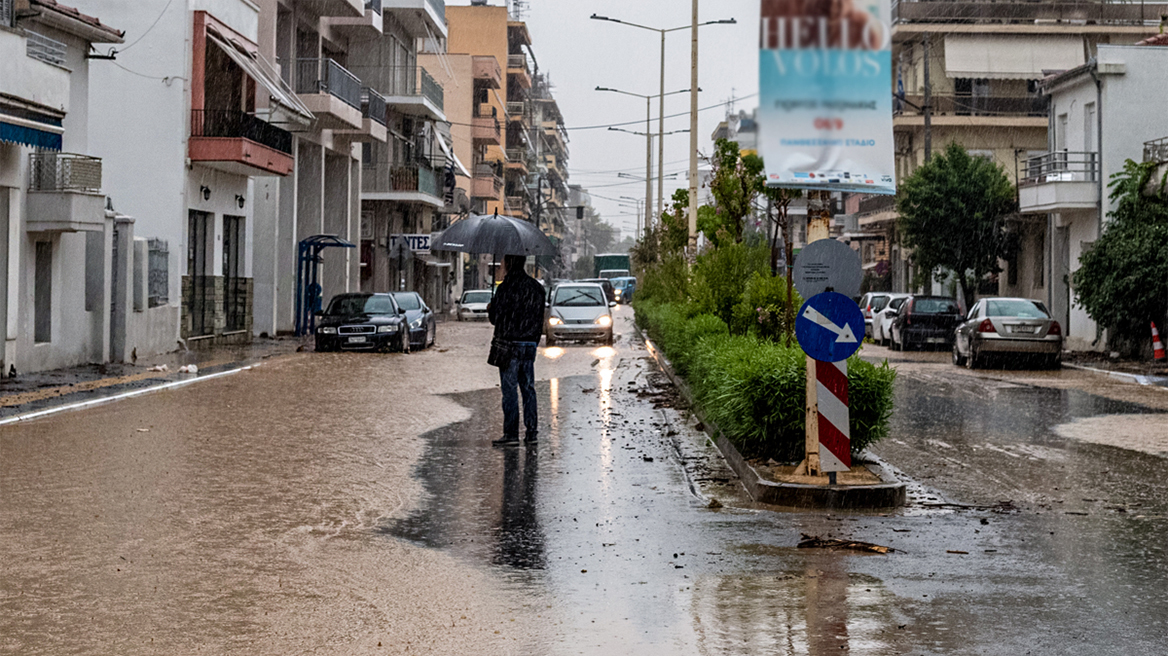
649, 156
660, 140
928, 106
693, 136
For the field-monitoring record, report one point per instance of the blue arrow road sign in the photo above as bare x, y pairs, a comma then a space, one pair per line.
830, 327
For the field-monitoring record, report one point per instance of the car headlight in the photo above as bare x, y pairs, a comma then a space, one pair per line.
616, 292
555, 321
417, 323
387, 328
604, 320
327, 330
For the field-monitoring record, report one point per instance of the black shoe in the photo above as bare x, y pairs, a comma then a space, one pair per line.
531, 438
506, 441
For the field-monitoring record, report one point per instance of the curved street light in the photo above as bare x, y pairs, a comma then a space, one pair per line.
661, 107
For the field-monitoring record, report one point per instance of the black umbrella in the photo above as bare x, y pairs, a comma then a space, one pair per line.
494, 235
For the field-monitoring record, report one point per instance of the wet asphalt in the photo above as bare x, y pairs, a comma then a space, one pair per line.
344, 503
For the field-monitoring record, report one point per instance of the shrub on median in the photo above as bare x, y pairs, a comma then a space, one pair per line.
754, 389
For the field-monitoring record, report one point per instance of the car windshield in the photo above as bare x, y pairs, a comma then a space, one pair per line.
350, 305
579, 296
1015, 308
408, 301
476, 297
934, 306
896, 303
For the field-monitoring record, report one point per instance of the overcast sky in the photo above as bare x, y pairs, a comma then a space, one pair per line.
581, 54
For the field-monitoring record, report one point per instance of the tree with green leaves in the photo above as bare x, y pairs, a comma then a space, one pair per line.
735, 182
1123, 281
953, 213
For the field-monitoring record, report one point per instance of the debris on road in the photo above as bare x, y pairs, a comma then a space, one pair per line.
816, 542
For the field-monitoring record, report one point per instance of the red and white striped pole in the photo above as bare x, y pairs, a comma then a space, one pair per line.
835, 438
1157, 345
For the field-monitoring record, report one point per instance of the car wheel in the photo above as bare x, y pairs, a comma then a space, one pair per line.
974, 361
958, 359
550, 341
892, 343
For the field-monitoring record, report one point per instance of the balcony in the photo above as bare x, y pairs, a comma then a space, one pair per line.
1019, 111
339, 8
414, 91
1061, 180
486, 183
517, 160
486, 69
1157, 152
518, 71
517, 205
517, 112
330, 92
64, 193
416, 182
42, 48
373, 118
237, 142
421, 18
367, 26
1071, 12
485, 131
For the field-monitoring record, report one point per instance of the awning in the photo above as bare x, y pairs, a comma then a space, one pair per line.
277, 89
458, 167
29, 132
1010, 57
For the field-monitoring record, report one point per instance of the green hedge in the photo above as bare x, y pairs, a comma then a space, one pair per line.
754, 389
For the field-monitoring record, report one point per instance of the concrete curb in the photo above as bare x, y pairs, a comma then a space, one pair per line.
891, 493
1140, 379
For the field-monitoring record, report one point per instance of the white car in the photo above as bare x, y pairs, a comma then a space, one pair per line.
473, 304
870, 304
579, 311
882, 320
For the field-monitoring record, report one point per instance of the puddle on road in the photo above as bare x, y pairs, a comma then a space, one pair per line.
1147, 434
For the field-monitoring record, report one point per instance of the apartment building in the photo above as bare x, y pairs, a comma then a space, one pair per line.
983, 62
1102, 114
64, 270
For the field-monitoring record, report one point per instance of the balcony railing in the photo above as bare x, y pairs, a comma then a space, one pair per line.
327, 76
516, 111
1156, 151
518, 62
1023, 11
6, 13
1060, 166
373, 5
373, 105
490, 171
414, 81
64, 172
517, 155
439, 7
1033, 105
874, 204
234, 124
45, 49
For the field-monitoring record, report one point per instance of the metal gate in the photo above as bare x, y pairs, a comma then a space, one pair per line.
234, 283
200, 299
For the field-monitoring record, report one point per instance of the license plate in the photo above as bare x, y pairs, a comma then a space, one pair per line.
357, 340
935, 340
1029, 330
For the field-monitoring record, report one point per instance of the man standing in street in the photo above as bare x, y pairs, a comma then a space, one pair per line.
517, 314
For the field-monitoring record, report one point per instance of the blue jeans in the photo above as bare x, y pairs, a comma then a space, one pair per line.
515, 379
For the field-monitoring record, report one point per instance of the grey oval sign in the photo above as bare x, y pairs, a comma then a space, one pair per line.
828, 264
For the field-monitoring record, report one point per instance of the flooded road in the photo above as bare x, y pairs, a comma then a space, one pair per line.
352, 504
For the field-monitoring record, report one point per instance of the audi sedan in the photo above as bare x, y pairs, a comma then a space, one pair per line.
1018, 326
579, 311
423, 325
362, 322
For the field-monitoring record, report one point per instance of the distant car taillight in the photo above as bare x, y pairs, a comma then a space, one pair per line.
1055, 329
986, 326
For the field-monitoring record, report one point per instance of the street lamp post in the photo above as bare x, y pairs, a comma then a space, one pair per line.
648, 145
661, 105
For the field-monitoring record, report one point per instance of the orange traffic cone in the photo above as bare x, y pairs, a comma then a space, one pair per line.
1157, 345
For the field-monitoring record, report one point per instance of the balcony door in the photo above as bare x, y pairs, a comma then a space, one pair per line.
201, 293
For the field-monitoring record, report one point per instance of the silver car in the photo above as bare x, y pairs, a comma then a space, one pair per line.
473, 304
579, 311
1019, 326
882, 320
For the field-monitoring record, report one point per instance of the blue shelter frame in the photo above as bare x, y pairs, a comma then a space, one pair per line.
308, 290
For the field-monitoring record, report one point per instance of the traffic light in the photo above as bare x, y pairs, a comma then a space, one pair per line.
579, 211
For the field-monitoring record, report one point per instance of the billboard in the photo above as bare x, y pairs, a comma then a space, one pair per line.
825, 83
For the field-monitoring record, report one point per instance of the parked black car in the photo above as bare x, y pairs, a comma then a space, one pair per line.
925, 321
362, 322
423, 325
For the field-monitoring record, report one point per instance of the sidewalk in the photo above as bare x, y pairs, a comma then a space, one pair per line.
47, 389
1143, 372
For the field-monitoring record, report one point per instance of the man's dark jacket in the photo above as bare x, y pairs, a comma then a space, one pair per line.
517, 309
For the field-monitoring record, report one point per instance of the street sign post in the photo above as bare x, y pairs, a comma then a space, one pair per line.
829, 328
